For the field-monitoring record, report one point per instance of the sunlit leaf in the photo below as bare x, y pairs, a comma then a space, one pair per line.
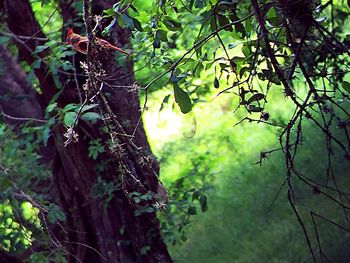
255, 97
346, 86
182, 99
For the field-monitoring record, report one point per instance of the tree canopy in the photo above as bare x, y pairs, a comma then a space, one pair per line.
79, 182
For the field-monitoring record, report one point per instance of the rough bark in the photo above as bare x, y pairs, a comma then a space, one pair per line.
17, 98
96, 231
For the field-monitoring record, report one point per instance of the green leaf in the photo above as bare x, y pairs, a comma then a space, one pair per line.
36, 64
89, 107
39, 49
216, 83
162, 35
238, 59
274, 21
70, 106
137, 24
156, 41
182, 99
321, 19
246, 51
5, 183
66, 65
232, 45
55, 214
165, 100
256, 97
95, 148
69, 118
108, 12
120, 22
192, 210
346, 86
4, 40
46, 135
252, 108
90, 116
198, 69
271, 13
54, 67
243, 71
127, 21
240, 28
108, 28
30, 76
200, 3
51, 107
213, 25
223, 21
133, 8
144, 250
172, 24
203, 203
44, 2
195, 195
248, 25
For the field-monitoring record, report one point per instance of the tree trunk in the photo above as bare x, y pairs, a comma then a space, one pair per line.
17, 99
100, 226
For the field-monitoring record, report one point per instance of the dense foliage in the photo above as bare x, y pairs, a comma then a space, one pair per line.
246, 107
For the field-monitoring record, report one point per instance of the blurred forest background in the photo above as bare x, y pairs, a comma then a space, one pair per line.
220, 140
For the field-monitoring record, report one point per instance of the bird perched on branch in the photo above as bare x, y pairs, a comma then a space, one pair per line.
80, 43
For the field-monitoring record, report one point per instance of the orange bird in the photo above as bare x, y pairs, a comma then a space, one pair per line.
79, 43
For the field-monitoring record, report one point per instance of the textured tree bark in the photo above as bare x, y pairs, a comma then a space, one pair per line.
17, 98
97, 231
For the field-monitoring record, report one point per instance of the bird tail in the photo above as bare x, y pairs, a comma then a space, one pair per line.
119, 50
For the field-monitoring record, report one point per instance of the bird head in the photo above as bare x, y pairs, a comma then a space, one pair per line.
69, 34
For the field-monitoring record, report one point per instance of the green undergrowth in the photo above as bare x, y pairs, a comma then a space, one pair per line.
242, 222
